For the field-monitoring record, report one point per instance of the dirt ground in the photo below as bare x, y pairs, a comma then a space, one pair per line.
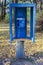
33, 51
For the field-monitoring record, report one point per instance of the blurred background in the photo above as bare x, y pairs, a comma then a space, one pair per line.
35, 49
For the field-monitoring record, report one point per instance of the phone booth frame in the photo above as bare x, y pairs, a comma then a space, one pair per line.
32, 20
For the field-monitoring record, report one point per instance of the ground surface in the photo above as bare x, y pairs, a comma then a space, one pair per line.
8, 52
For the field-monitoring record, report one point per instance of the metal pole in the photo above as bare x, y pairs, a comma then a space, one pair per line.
19, 49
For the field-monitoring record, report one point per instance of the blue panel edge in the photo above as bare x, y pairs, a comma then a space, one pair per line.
22, 38
22, 5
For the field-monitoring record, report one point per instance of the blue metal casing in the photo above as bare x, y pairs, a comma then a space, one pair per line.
21, 21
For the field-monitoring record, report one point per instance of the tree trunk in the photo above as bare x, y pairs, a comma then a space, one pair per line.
41, 4
2, 11
4, 8
16, 1
12, 1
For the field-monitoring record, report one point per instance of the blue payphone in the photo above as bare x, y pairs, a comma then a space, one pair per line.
21, 21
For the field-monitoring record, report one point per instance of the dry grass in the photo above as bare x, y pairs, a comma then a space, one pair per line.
7, 50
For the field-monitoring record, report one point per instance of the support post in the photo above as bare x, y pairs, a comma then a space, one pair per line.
19, 49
